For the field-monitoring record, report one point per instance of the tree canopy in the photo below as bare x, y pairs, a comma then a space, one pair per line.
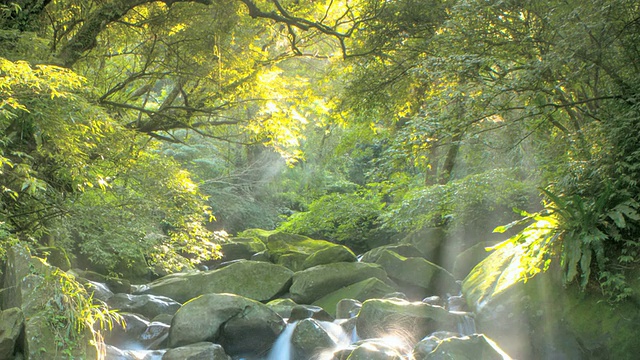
126, 124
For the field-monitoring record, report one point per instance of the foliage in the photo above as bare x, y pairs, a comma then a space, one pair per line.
586, 235
471, 202
349, 219
72, 314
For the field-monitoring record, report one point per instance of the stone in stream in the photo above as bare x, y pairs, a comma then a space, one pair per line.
241, 325
332, 254
472, 347
311, 284
282, 307
410, 321
370, 288
310, 338
373, 349
146, 305
197, 351
256, 280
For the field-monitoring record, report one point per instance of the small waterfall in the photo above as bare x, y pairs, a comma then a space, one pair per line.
336, 331
465, 323
281, 349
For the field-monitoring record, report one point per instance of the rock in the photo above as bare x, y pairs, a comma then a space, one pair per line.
473, 347
406, 250
11, 325
113, 353
146, 305
310, 338
363, 290
155, 335
411, 320
429, 241
348, 308
425, 346
313, 283
292, 250
543, 319
163, 318
469, 258
99, 290
197, 351
116, 285
418, 272
333, 254
252, 279
376, 349
127, 336
300, 312
237, 323
282, 307
36, 289
241, 248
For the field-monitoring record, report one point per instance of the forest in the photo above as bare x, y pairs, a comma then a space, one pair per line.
138, 137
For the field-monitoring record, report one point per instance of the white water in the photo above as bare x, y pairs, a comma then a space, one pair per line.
281, 349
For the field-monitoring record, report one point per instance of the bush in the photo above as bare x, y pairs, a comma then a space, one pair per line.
349, 219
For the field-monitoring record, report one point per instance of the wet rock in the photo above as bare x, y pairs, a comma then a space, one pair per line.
425, 346
197, 351
11, 325
127, 336
282, 307
376, 349
363, 290
113, 353
310, 338
410, 320
239, 324
300, 312
473, 347
313, 283
256, 280
146, 305
348, 308
100, 291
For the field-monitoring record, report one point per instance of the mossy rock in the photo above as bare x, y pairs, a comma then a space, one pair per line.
256, 280
406, 250
418, 272
413, 319
363, 290
261, 234
469, 258
473, 347
241, 248
312, 284
541, 318
332, 254
428, 241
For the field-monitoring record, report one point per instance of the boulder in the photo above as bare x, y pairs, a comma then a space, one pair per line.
300, 312
426, 346
406, 250
35, 288
292, 250
313, 283
282, 307
541, 318
310, 338
256, 280
469, 258
55, 256
129, 335
98, 290
348, 308
376, 349
11, 325
147, 305
473, 347
332, 254
241, 248
239, 324
412, 321
362, 290
429, 241
418, 272
197, 351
